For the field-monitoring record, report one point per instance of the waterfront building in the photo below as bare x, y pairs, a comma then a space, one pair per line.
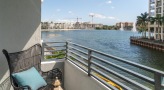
70, 25
44, 25
125, 25
156, 7
89, 25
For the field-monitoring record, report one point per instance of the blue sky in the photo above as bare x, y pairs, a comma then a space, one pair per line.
105, 11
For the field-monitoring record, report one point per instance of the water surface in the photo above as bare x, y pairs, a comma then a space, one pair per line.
112, 42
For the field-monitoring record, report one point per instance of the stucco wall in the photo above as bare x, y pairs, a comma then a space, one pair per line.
19, 28
76, 79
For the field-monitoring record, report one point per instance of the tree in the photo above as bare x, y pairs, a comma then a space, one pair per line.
158, 20
142, 23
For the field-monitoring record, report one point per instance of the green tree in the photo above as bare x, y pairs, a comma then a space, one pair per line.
142, 23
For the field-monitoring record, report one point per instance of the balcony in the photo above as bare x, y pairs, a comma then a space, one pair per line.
101, 69
152, 2
158, 10
159, 4
88, 69
152, 14
152, 8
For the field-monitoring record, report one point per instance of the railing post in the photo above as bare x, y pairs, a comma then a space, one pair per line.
66, 50
43, 44
157, 78
89, 62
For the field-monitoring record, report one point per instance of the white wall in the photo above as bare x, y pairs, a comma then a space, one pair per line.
19, 28
75, 79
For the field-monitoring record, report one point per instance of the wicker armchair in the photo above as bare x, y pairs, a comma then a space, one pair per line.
23, 60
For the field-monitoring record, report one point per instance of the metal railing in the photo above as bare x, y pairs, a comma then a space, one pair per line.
98, 64
51, 51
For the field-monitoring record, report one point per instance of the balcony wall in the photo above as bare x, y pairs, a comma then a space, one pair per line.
19, 28
76, 79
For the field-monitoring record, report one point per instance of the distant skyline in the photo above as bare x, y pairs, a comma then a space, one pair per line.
105, 11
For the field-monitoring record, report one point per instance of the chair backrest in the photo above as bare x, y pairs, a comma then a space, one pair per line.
23, 60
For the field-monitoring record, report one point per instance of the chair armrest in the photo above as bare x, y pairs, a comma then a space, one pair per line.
22, 88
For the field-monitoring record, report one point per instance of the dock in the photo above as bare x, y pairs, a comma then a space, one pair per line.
149, 43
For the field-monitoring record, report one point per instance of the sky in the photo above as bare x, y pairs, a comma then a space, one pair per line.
107, 12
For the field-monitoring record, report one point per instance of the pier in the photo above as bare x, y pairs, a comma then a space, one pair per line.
150, 43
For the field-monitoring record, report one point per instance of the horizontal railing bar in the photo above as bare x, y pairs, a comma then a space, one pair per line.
80, 46
122, 60
54, 54
131, 63
78, 60
57, 58
126, 70
78, 50
50, 51
102, 81
54, 46
111, 79
122, 77
55, 50
77, 64
78, 55
54, 42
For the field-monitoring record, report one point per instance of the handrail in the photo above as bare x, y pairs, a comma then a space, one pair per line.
49, 50
127, 70
73, 53
122, 77
122, 60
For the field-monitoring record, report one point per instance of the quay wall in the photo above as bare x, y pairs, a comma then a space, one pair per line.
148, 44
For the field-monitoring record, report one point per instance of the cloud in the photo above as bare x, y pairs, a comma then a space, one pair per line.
109, 2
118, 19
112, 7
58, 10
101, 16
42, 0
70, 12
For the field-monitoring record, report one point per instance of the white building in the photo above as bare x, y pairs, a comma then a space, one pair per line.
156, 7
70, 25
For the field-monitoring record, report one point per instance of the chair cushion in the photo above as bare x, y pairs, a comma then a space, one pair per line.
30, 77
